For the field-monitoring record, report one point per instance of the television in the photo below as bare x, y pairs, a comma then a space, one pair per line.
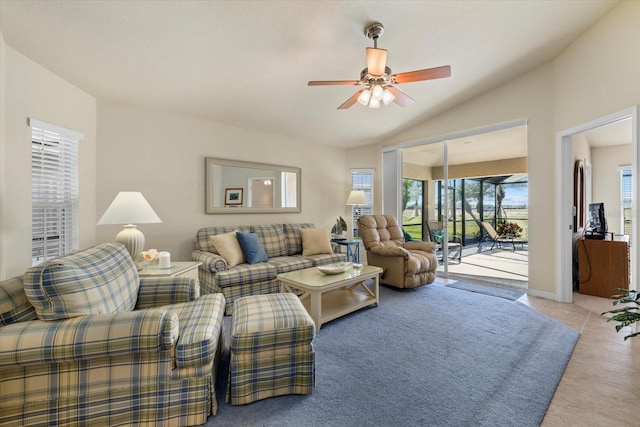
597, 226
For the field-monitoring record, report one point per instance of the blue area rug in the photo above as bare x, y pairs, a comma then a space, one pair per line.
432, 356
487, 290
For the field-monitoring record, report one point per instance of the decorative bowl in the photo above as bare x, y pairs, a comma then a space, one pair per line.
337, 268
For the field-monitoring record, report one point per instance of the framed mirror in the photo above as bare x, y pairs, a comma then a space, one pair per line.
233, 186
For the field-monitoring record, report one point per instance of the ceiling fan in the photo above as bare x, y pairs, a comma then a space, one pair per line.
379, 80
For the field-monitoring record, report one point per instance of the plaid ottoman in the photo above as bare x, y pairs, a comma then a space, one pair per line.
271, 351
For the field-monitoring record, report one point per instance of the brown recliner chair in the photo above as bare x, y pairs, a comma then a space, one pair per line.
405, 264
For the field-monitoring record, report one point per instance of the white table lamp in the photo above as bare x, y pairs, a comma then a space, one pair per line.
356, 198
127, 208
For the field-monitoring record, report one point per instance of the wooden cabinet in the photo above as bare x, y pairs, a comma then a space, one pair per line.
603, 266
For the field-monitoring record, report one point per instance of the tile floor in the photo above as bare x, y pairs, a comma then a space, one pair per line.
601, 385
494, 264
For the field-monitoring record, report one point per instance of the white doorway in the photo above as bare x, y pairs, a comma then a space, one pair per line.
564, 205
261, 192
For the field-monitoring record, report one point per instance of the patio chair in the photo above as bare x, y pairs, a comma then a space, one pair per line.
435, 234
491, 234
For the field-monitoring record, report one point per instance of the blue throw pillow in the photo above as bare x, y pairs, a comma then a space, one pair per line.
251, 247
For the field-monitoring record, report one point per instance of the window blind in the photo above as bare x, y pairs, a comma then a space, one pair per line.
54, 191
362, 179
626, 196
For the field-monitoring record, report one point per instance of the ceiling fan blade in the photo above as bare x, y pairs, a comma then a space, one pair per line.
349, 102
376, 61
416, 76
333, 82
401, 98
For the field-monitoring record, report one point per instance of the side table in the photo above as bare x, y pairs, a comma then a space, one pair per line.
353, 249
177, 269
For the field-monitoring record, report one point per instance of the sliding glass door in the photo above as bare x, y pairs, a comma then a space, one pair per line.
454, 184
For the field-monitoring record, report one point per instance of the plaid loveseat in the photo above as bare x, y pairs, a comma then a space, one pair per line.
85, 341
283, 245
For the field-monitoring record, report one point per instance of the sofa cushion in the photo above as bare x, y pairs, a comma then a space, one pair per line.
251, 248
14, 305
324, 259
294, 238
228, 247
272, 239
316, 241
245, 274
285, 264
266, 322
101, 279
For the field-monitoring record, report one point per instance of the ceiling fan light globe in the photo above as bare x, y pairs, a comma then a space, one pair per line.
374, 103
364, 97
387, 97
377, 92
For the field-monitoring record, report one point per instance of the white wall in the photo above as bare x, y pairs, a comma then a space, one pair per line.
596, 76
529, 96
163, 156
29, 90
160, 154
581, 151
3, 157
580, 148
606, 180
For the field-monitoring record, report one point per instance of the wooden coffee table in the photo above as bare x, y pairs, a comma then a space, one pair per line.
329, 296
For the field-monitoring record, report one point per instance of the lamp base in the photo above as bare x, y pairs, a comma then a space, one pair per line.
133, 240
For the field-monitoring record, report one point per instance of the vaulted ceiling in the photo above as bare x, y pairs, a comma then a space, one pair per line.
247, 63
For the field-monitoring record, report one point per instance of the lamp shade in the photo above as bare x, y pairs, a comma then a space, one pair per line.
129, 207
376, 61
357, 197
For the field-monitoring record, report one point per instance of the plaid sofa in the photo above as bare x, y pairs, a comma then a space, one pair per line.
114, 349
283, 245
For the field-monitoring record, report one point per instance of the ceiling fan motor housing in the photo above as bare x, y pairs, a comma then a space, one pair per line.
373, 31
366, 77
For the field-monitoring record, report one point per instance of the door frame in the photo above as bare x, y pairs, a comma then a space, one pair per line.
564, 199
253, 179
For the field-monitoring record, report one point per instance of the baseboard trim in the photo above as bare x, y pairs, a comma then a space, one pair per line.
543, 294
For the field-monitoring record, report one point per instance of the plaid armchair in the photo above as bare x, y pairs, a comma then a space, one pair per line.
84, 340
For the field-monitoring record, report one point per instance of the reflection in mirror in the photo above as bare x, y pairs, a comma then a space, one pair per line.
245, 187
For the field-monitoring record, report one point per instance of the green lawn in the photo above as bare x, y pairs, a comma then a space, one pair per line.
415, 231
414, 227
